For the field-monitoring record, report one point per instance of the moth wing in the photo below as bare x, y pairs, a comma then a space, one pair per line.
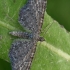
21, 54
27, 17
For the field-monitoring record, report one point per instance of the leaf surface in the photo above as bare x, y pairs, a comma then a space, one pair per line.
54, 52
9, 10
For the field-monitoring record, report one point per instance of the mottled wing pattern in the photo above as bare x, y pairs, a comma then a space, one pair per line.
22, 51
21, 54
32, 14
27, 17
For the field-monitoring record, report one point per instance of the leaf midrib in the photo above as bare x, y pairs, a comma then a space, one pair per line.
8, 26
56, 50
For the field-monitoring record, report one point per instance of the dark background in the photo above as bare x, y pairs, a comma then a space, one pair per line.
60, 11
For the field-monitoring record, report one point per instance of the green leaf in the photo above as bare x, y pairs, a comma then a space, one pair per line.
54, 52
9, 10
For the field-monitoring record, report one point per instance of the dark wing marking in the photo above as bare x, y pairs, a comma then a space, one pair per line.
21, 54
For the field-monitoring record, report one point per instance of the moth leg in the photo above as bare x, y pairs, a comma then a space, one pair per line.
26, 35
20, 54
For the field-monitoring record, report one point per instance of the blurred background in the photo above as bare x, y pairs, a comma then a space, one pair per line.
60, 11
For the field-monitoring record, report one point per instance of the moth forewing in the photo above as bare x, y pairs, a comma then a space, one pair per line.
21, 54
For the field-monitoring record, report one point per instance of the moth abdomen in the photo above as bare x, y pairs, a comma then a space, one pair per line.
20, 34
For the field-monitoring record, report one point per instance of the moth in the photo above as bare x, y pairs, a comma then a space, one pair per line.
22, 50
